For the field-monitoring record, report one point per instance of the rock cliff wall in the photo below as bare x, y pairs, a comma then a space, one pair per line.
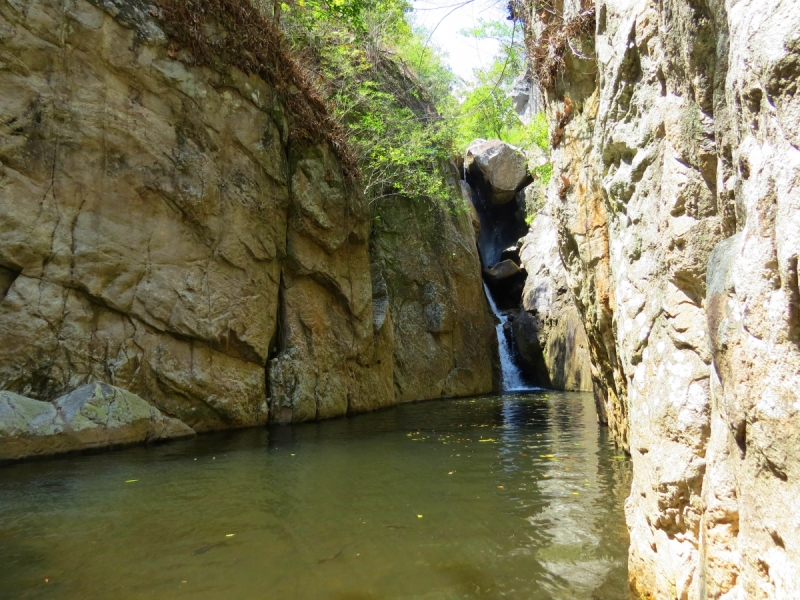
164, 232
676, 197
444, 339
548, 330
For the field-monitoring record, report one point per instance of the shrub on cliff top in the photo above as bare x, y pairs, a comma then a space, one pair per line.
384, 86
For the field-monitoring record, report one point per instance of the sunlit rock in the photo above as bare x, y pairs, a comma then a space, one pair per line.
500, 167
94, 416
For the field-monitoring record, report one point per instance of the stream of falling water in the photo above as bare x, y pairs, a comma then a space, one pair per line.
512, 376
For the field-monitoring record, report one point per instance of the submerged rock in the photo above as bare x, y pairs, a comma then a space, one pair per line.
501, 167
94, 416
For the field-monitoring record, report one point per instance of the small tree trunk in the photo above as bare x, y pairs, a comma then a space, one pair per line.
276, 13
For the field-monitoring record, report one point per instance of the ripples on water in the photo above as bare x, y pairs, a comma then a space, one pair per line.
495, 497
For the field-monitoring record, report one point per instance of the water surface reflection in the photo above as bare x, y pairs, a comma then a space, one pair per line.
496, 497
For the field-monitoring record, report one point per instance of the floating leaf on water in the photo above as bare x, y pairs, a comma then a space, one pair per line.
501, 487
131, 480
419, 516
575, 493
230, 534
547, 456
487, 440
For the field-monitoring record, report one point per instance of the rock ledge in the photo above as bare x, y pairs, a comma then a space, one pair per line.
94, 416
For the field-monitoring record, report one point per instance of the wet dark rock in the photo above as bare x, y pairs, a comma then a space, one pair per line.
506, 280
511, 253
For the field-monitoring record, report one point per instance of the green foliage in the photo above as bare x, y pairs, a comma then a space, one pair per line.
385, 86
533, 134
487, 110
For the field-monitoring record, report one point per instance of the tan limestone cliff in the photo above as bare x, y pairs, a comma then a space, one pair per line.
163, 231
675, 194
444, 337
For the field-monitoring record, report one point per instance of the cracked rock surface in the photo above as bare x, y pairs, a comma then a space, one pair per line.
161, 232
676, 199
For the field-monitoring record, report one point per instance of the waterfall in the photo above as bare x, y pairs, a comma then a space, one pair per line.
512, 377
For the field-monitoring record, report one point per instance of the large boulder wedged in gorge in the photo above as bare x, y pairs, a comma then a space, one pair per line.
506, 281
500, 168
94, 416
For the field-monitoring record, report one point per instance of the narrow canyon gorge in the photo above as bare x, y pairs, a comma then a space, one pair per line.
185, 249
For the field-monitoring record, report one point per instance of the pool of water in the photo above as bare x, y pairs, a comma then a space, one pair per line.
515, 496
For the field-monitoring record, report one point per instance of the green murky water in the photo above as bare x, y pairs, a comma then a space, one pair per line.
497, 497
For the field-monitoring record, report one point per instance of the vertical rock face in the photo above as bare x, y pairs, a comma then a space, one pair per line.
444, 338
143, 211
675, 195
161, 231
332, 359
752, 494
548, 330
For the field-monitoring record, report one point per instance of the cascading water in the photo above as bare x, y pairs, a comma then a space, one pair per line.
511, 375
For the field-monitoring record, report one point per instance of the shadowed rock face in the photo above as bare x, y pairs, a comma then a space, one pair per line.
677, 218
444, 337
160, 232
550, 339
505, 280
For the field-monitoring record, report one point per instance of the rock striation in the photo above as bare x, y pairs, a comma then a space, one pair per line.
163, 231
676, 201
94, 416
